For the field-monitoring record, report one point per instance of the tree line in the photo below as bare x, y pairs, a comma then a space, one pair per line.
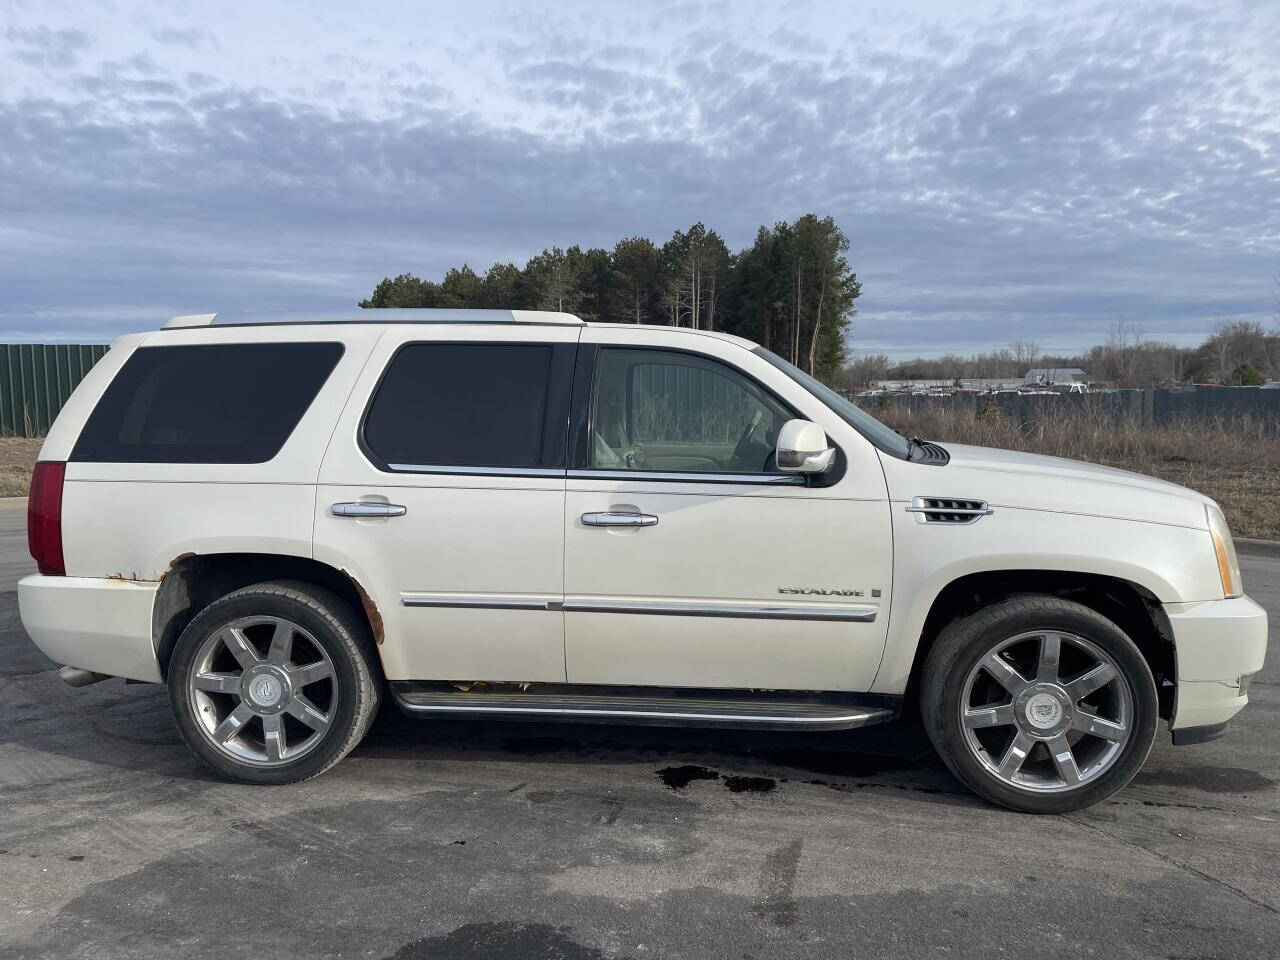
1240, 353
792, 290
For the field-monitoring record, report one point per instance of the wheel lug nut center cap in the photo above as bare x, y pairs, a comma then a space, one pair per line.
265, 690
1043, 711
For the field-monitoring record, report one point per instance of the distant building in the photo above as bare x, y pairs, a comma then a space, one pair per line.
979, 384
1051, 375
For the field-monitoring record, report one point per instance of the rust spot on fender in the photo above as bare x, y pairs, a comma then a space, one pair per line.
173, 563
138, 578
370, 609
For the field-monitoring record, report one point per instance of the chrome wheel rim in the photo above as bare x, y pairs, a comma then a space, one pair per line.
1046, 711
262, 690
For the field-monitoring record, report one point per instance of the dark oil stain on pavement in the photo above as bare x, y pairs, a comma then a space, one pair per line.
1210, 779
750, 784
498, 941
677, 778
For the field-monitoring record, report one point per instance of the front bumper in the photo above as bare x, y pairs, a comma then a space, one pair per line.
98, 625
1219, 645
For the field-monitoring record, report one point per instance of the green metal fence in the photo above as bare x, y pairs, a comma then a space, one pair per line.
35, 381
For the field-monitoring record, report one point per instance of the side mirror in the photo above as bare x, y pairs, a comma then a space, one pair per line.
802, 448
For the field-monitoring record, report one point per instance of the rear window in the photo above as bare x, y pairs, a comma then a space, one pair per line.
471, 405
207, 403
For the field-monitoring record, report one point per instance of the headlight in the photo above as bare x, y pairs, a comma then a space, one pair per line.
1225, 548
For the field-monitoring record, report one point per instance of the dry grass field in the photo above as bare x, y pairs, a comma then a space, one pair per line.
1237, 462
1234, 461
17, 454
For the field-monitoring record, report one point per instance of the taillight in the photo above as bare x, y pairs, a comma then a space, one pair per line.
44, 517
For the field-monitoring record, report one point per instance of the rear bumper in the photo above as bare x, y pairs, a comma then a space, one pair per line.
98, 625
1219, 644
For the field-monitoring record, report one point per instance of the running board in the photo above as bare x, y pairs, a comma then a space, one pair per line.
658, 706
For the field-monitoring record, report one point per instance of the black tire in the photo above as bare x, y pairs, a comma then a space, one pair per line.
334, 627
965, 641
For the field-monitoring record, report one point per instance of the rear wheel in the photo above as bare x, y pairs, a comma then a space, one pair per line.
1039, 704
274, 683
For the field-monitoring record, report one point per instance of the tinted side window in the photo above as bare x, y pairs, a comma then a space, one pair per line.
675, 412
206, 403
471, 405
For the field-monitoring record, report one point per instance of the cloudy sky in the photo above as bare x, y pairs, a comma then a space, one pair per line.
1036, 171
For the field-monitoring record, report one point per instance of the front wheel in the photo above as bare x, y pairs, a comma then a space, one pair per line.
1039, 704
274, 683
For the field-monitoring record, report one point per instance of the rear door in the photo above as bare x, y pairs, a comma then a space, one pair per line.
443, 494
691, 561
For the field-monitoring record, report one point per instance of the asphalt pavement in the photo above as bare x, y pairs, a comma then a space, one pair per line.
501, 841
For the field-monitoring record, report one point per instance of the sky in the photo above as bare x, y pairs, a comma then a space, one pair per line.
1004, 171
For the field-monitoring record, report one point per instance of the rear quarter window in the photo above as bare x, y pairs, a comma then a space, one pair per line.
205, 403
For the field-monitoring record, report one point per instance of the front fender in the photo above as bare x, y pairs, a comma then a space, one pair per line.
1175, 564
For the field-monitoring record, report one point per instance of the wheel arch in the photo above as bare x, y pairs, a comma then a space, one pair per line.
193, 581
1132, 607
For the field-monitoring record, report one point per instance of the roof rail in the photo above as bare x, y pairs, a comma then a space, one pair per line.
375, 315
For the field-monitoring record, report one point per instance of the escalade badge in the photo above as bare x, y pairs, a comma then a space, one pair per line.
822, 592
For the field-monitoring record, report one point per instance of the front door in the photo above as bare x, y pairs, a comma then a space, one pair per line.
690, 560
442, 494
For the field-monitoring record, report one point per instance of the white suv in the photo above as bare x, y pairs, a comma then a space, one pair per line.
513, 514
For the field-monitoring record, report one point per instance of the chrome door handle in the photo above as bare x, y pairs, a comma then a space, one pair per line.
366, 509
619, 519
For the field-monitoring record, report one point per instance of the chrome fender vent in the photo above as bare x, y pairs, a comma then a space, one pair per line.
948, 510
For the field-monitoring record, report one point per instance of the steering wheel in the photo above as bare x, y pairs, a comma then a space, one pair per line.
740, 449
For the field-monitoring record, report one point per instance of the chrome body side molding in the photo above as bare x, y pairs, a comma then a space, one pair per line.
750, 611
478, 602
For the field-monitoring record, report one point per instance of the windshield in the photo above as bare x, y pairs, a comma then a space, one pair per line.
846, 410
